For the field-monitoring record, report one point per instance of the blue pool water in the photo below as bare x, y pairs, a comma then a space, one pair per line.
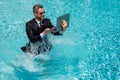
89, 49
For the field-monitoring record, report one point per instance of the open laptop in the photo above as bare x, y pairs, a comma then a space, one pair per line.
60, 18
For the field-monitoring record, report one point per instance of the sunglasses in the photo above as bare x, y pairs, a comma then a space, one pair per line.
42, 13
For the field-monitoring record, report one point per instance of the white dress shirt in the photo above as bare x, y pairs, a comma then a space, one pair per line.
38, 22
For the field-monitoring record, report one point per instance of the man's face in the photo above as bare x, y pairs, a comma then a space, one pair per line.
40, 14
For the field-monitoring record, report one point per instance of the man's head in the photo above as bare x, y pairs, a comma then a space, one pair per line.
38, 11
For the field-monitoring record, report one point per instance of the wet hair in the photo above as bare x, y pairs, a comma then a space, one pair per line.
36, 7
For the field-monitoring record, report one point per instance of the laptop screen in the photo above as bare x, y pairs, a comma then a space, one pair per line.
60, 18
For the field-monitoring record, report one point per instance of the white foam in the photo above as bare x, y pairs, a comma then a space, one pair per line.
5, 68
75, 79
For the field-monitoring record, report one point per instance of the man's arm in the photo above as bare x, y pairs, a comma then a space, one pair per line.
32, 37
53, 30
63, 26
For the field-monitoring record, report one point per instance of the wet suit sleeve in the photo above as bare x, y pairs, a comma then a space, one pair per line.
32, 37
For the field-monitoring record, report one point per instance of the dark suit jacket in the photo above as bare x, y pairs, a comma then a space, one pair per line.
33, 30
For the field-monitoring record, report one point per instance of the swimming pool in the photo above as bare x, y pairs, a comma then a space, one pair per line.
89, 49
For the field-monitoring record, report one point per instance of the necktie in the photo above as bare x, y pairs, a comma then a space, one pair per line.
41, 24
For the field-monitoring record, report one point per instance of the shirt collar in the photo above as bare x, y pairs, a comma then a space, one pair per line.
38, 21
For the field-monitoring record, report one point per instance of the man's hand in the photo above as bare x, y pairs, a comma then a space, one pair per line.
63, 25
53, 29
49, 30
46, 31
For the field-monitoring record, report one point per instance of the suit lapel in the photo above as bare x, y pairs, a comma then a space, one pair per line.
35, 23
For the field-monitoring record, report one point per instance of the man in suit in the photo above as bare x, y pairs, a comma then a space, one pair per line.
37, 30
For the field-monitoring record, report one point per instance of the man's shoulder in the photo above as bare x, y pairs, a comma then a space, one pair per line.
30, 21
46, 19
